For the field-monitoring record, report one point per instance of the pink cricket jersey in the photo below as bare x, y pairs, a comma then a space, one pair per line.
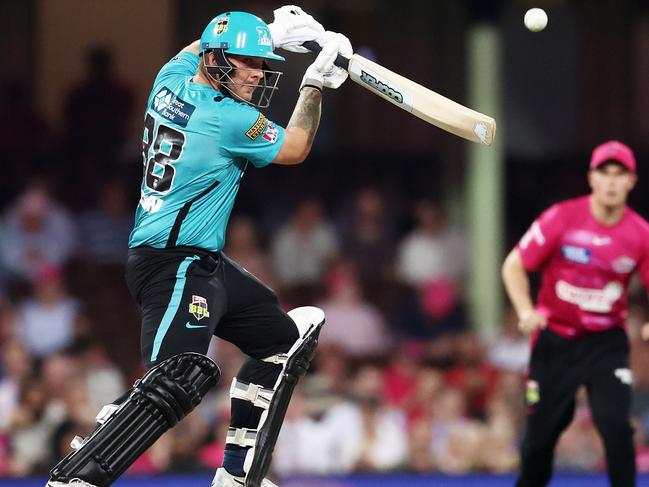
586, 266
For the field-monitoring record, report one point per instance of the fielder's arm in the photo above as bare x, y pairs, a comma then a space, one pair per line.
517, 285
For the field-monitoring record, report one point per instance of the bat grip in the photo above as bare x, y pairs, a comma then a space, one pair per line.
341, 61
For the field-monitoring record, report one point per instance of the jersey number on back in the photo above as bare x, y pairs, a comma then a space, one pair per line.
167, 147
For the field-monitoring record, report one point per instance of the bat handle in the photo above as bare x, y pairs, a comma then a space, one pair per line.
341, 61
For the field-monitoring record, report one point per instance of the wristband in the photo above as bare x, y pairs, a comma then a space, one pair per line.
312, 83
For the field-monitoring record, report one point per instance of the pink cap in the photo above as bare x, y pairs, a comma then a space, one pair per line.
615, 151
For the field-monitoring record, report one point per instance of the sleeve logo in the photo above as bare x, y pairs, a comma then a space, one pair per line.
258, 127
271, 133
534, 234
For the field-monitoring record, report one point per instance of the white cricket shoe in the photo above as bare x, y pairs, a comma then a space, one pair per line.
225, 479
70, 483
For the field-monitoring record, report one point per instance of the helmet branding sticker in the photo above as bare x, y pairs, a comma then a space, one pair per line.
258, 127
221, 25
264, 37
168, 105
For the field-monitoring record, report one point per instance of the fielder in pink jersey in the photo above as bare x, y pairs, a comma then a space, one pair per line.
587, 250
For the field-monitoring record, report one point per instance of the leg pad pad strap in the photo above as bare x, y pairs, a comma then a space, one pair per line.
165, 395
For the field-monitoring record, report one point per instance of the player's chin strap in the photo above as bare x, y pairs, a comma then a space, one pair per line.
274, 402
165, 395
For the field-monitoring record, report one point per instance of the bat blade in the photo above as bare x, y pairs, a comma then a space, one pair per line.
422, 102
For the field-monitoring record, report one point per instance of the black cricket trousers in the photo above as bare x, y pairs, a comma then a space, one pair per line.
558, 367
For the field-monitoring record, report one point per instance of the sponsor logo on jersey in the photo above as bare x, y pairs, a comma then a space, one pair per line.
150, 203
221, 25
593, 300
264, 38
623, 265
381, 87
167, 104
271, 133
579, 255
257, 128
198, 307
599, 241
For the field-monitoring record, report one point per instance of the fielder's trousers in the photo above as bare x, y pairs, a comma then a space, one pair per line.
558, 367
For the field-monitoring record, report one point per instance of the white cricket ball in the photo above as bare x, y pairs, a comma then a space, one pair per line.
536, 19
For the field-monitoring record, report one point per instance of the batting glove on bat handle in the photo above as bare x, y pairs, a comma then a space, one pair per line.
341, 61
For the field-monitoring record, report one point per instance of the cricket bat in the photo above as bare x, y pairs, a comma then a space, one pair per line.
416, 99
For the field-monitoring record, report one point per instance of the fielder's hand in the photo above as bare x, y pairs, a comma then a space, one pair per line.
530, 320
292, 26
644, 331
323, 72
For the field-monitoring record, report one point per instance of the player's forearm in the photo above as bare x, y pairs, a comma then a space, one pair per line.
301, 129
517, 283
306, 115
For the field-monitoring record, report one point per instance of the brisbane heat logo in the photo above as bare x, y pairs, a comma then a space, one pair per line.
381, 87
221, 25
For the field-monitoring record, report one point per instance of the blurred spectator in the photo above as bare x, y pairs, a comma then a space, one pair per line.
364, 434
100, 105
509, 350
461, 451
420, 456
37, 232
242, 245
50, 320
25, 133
30, 427
353, 324
105, 229
328, 386
103, 379
401, 374
448, 408
7, 319
432, 251
368, 237
304, 246
499, 449
301, 446
472, 374
430, 383
16, 368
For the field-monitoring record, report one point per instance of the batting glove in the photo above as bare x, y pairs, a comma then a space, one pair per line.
292, 26
323, 72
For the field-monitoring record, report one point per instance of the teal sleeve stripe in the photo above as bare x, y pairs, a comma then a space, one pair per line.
172, 308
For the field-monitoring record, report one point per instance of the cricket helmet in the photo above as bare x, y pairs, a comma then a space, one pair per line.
239, 33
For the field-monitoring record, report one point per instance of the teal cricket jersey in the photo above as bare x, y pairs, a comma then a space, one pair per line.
196, 146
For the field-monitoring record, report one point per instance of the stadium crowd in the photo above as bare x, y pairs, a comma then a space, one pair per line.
400, 381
